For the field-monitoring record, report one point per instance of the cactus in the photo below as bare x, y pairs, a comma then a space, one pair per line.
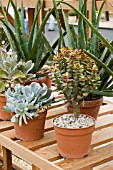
26, 101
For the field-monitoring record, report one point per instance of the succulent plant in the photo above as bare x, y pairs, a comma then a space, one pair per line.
103, 57
26, 101
12, 71
72, 13
36, 47
75, 75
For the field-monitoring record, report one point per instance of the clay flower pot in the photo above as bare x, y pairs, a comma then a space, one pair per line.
45, 80
74, 142
34, 130
4, 115
90, 108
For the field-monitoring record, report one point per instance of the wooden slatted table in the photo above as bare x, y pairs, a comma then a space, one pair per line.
42, 154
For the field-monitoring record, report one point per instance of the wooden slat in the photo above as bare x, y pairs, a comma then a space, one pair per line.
96, 158
98, 138
107, 167
46, 148
105, 109
49, 139
104, 121
6, 125
28, 155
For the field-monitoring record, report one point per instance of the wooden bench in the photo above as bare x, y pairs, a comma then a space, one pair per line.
42, 154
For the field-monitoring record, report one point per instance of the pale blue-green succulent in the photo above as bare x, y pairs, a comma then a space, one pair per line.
12, 71
26, 101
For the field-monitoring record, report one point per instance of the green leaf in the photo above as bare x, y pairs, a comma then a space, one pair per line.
91, 26
33, 31
18, 74
19, 31
3, 74
81, 33
2, 86
69, 34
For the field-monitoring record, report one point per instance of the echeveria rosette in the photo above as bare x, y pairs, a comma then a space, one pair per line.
27, 101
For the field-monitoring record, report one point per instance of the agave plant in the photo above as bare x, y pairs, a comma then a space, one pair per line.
36, 47
27, 101
12, 71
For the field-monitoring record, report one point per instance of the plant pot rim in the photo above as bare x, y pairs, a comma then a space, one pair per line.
2, 95
95, 102
94, 121
87, 102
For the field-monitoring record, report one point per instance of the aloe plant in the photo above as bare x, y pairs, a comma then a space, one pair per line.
91, 48
27, 101
36, 47
12, 71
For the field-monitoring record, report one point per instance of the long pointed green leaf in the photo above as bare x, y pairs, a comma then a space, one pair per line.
37, 38
36, 54
18, 31
61, 42
99, 13
69, 34
102, 93
33, 31
37, 10
81, 33
91, 26
85, 24
74, 36
12, 39
99, 63
4, 13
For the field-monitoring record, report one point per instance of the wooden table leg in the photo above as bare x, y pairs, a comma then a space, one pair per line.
7, 159
35, 168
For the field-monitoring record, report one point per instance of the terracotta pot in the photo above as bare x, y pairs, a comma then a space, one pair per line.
45, 80
48, 82
40, 81
34, 130
4, 115
74, 143
90, 108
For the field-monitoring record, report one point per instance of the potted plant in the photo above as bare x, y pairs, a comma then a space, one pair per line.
80, 41
75, 75
36, 47
72, 18
102, 56
29, 107
12, 72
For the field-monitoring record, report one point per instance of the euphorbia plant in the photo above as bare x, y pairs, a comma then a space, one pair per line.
75, 75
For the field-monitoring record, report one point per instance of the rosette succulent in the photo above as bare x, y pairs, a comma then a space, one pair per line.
12, 71
27, 101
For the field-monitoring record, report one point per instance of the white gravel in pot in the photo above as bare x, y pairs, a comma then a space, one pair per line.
69, 121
